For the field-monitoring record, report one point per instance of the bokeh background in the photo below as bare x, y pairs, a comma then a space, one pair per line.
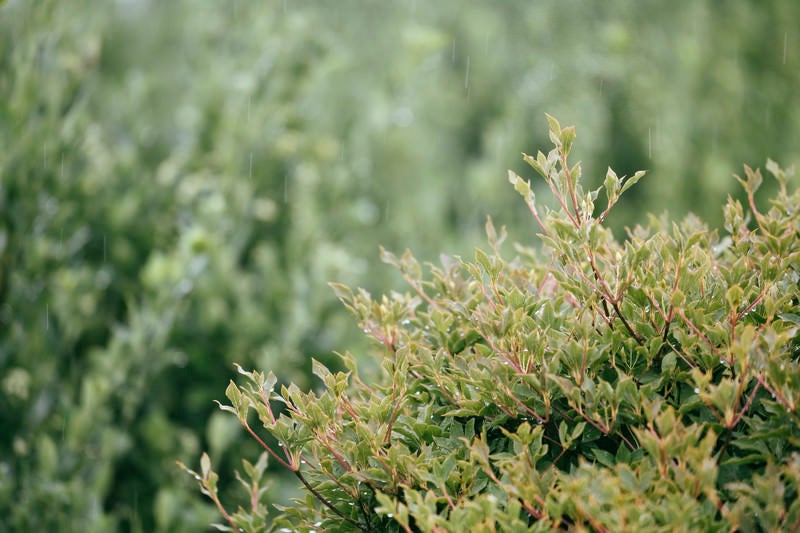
180, 179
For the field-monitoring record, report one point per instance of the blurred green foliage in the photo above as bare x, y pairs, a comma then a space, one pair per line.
179, 181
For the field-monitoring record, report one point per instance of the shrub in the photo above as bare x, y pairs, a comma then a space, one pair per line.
179, 180
649, 384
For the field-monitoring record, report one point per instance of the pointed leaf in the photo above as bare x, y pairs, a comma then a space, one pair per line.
205, 465
567, 137
633, 180
555, 127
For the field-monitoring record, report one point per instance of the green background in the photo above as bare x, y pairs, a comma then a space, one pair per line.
179, 180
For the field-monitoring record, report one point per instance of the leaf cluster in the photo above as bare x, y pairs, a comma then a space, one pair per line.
597, 385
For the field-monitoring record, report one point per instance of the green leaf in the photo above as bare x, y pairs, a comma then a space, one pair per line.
678, 298
577, 431
603, 457
320, 370
633, 180
734, 296
205, 465
389, 258
669, 363
483, 259
269, 383
491, 233
611, 185
520, 185
777, 172
562, 433
567, 137
555, 127
235, 396
753, 181
342, 292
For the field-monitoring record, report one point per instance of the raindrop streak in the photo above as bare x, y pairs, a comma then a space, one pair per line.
61, 167
285, 188
46, 316
466, 76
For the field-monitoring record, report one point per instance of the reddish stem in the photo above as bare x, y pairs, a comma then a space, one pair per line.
698, 332
269, 450
746, 407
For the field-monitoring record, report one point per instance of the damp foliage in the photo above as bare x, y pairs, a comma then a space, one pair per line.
592, 383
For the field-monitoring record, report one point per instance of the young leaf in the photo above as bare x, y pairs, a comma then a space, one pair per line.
633, 180
555, 127
520, 185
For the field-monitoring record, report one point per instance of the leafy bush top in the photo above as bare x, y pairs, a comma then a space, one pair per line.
649, 384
